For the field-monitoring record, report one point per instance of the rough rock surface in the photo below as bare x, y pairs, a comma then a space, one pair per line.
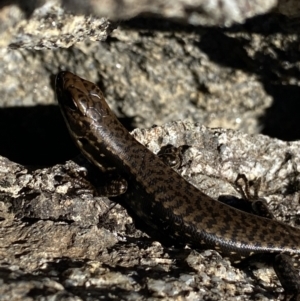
56, 244
53, 241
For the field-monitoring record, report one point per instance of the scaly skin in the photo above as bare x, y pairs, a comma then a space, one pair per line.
156, 193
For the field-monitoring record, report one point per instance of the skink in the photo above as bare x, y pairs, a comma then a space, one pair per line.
156, 193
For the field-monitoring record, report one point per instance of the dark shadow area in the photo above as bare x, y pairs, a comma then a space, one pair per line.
37, 136
225, 50
156, 23
264, 24
281, 120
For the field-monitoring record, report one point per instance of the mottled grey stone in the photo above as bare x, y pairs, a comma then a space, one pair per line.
56, 245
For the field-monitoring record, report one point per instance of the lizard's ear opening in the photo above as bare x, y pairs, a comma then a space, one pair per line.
67, 100
83, 141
